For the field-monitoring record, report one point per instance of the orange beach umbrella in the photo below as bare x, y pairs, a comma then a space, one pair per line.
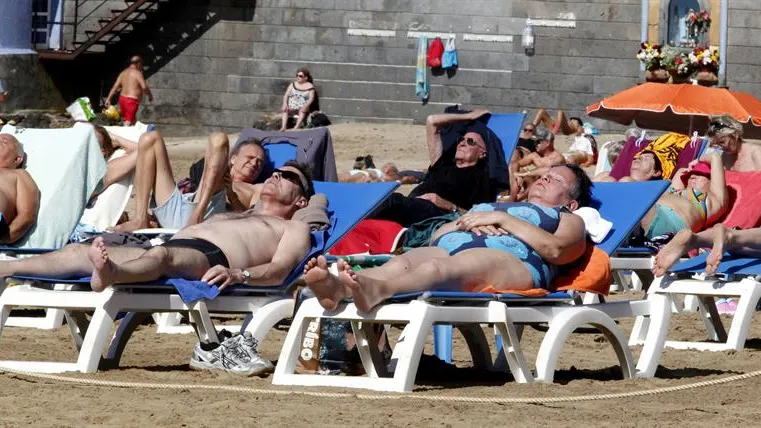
679, 108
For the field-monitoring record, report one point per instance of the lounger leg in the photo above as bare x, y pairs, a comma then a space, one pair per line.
657, 327
78, 323
711, 319
201, 320
511, 342
96, 337
477, 345
367, 345
408, 352
265, 317
746, 308
564, 324
127, 326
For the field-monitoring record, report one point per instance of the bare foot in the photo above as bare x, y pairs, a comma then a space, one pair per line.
717, 252
131, 225
367, 294
328, 289
102, 267
671, 253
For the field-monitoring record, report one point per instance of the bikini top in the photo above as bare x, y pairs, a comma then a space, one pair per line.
697, 198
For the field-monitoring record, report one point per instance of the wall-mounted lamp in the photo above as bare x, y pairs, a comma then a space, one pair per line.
528, 39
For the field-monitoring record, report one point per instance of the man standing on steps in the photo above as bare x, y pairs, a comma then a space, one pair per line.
131, 82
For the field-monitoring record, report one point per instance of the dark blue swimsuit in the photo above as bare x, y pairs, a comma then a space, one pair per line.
544, 218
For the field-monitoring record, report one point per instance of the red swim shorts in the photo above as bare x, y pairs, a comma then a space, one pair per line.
128, 107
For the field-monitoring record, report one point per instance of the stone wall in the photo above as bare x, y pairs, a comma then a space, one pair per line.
237, 68
744, 46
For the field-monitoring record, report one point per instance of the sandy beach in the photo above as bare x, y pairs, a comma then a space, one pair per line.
587, 367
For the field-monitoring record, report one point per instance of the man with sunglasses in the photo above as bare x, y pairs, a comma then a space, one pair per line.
456, 180
227, 176
726, 135
260, 246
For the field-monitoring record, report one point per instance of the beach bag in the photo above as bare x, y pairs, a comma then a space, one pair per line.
449, 58
327, 346
81, 109
435, 51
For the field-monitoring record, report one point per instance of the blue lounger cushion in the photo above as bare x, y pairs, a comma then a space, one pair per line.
729, 265
348, 203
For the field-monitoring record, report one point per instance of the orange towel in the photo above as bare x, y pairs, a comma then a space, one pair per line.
591, 273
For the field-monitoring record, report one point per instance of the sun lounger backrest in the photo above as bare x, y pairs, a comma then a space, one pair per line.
278, 153
507, 126
110, 204
624, 204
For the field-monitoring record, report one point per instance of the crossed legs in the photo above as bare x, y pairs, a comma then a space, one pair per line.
418, 270
111, 265
746, 243
557, 125
153, 174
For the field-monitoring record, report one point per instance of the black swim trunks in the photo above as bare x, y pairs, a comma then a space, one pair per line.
213, 254
5, 231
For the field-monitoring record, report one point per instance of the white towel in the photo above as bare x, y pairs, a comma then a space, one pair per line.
131, 133
66, 164
597, 227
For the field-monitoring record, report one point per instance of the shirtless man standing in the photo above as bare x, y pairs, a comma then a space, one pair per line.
260, 246
19, 195
726, 133
132, 84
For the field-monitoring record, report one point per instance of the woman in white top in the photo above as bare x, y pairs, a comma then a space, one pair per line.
298, 98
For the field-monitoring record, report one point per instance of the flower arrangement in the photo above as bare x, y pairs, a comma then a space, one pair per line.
676, 62
700, 21
650, 55
705, 58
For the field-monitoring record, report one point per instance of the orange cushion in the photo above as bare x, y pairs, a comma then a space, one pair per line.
591, 273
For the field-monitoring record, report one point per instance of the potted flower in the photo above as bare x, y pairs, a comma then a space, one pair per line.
706, 61
651, 56
698, 24
678, 64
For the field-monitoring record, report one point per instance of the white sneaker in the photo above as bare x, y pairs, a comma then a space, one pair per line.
237, 355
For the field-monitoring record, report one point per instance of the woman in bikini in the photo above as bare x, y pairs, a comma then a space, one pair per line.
696, 199
298, 98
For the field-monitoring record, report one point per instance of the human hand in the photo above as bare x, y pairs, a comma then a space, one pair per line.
107, 104
438, 201
222, 276
490, 222
476, 113
284, 109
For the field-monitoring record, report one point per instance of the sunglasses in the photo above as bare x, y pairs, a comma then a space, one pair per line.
292, 177
300, 75
529, 130
470, 142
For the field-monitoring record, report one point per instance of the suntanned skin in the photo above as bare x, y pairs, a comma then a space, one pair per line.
426, 268
19, 194
263, 241
716, 191
132, 84
643, 169
234, 174
737, 155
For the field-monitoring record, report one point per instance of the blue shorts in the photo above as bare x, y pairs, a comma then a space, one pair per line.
176, 211
666, 221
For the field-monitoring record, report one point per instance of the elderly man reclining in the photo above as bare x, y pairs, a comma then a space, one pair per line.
260, 246
509, 246
19, 194
153, 175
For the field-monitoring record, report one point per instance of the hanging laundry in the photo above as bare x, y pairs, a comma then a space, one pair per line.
421, 71
449, 58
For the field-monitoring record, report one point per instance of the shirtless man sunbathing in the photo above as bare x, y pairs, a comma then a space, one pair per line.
514, 246
260, 246
19, 194
224, 177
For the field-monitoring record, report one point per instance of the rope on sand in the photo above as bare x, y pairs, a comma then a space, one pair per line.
401, 396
